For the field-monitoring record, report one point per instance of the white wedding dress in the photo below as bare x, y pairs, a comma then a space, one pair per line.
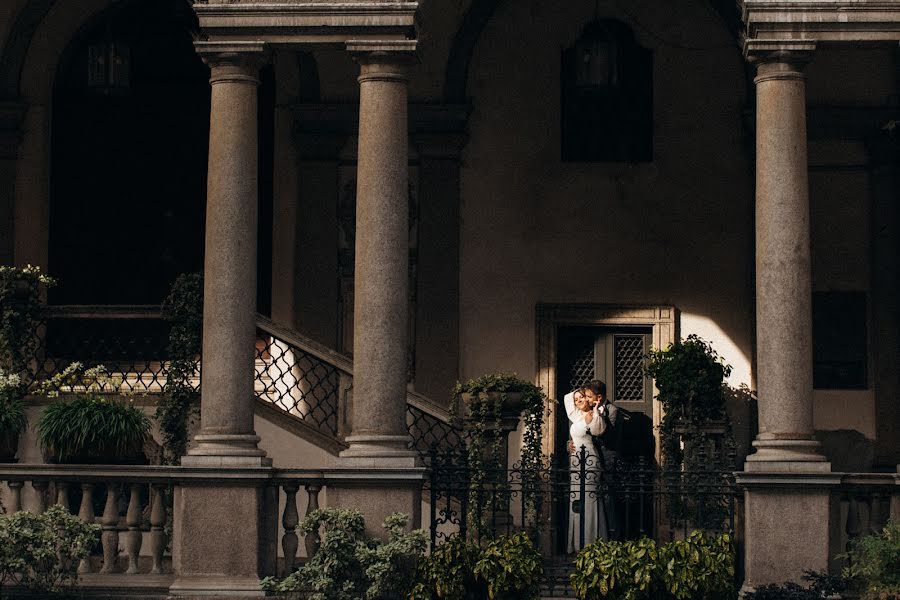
594, 515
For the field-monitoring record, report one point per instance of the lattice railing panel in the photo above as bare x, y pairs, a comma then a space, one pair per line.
298, 382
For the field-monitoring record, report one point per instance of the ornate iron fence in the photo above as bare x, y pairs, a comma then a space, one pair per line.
556, 504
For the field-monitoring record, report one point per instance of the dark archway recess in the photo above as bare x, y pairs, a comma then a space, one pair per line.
129, 157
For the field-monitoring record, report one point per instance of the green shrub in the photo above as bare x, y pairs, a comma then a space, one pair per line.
448, 573
41, 552
699, 568
348, 566
511, 567
12, 407
616, 570
875, 564
90, 426
821, 586
507, 567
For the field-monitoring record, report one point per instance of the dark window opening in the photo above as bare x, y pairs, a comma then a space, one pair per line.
607, 96
839, 341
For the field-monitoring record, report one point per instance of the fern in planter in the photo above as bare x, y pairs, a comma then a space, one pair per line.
89, 427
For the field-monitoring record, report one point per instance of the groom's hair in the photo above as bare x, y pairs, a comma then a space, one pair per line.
598, 387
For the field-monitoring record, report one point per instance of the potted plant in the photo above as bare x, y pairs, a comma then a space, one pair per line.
12, 415
489, 408
93, 428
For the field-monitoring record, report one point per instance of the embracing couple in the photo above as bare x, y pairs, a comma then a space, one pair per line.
593, 421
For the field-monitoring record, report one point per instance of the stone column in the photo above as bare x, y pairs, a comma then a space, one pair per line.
380, 292
783, 272
225, 508
229, 293
787, 482
382, 475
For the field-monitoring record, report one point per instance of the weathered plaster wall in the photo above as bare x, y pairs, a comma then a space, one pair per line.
678, 230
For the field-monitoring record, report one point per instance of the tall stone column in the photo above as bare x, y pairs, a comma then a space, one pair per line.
787, 482
225, 508
229, 289
381, 267
379, 437
783, 266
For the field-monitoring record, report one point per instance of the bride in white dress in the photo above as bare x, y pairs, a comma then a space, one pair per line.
586, 422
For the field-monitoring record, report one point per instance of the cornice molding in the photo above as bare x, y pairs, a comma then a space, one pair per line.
307, 23
821, 20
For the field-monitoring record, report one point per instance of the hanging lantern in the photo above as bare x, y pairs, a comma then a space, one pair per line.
109, 66
595, 53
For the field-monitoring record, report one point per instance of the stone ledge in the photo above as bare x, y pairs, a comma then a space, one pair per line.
822, 20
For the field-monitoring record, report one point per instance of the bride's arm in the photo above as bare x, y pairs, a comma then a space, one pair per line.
597, 425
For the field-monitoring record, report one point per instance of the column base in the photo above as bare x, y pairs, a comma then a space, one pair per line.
379, 451
226, 450
786, 525
379, 493
794, 456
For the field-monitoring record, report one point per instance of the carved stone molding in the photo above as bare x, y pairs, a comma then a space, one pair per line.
323, 23
822, 20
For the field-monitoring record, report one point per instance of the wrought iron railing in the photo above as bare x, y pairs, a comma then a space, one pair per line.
625, 499
296, 374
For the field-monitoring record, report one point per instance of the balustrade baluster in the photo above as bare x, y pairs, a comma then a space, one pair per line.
874, 514
86, 514
853, 527
290, 519
133, 520
110, 535
312, 539
15, 503
40, 488
157, 527
62, 494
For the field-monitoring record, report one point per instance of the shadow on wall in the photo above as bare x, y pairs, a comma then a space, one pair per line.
848, 450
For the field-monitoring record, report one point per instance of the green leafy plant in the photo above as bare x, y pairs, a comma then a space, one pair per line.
180, 402
699, 568
349, 566
20, 314
616, 570
41, 552
12, 412
874, 564
487, 396
88, 426
511, 567
448, 573
506, 568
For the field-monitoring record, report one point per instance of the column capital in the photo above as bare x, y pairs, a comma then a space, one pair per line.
383, 60
233, 61
784, 57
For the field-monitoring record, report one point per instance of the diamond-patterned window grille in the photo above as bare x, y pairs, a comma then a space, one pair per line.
629, 374
582, 368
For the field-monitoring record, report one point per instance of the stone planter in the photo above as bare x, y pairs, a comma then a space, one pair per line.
512, 406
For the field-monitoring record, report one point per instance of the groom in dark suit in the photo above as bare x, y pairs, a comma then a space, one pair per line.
608, 445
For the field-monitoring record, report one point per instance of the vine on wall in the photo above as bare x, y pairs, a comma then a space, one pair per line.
180, 402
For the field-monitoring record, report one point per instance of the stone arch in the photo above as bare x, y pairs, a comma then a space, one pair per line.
12, 57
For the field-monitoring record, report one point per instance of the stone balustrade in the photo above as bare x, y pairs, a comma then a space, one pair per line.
133, 504
862, 505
